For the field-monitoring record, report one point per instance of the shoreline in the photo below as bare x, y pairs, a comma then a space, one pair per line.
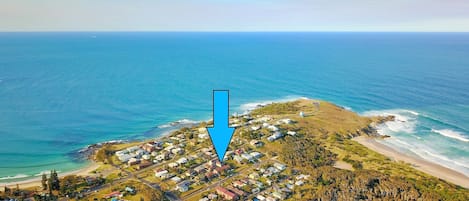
93, 165
36, 181
418, 163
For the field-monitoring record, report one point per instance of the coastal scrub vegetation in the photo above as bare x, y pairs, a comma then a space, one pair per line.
326, 136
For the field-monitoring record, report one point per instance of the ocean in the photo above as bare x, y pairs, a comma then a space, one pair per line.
60, 92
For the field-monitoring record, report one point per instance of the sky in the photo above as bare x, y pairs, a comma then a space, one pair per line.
235, 15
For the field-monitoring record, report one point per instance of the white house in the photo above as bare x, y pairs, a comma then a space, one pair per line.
280, 166
173, 165
275, 136
161, 173
182, 160
272, 128
292, 133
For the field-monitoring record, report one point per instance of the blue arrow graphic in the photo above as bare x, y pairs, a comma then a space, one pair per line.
220, 133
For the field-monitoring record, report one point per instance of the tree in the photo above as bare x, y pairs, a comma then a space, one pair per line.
44, 182
54, 178
49, 184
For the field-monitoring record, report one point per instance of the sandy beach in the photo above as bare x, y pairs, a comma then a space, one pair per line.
36, 182
418, 163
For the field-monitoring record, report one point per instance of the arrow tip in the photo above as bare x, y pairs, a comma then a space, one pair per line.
221, 138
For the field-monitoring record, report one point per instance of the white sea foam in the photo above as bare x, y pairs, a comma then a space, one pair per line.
18, 176
404, 120
451, 134
180, 122
347, 108
46, 172
405, 137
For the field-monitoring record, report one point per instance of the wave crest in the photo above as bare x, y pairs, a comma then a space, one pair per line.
181, 122
404, 120
18, 176
451, 134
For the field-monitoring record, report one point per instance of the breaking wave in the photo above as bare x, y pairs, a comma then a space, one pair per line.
182, 122
404, 120
18, 176
414, 133
451, 134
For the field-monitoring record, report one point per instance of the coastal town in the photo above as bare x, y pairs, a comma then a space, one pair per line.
282, 151
185, 163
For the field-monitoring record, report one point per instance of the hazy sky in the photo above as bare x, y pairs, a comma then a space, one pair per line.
234, 15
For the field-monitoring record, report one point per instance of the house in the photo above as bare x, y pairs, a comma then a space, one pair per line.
260, 198
228, 195
212, 196
130, 190
299, 183
173, 165
238, 192
238, 151
143, 165
176, 179
133, 161
122, 152
270, 199
140, 152
211, 175
202, 136
115, 194
149, 147
202, 130
200, 169
160, 157
248, 157
146, 157
215, 162
125, 157
302, 176
280, 195
275, 136
271, 170
182, 160
255, 128
238, 184
254, 175
272, 128
222, 169
256, 155
161, 174
183, 186
302, 114
280, 166
292, 133
132, 149
177, 151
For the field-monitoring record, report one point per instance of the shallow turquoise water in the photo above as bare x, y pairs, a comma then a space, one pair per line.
62, 91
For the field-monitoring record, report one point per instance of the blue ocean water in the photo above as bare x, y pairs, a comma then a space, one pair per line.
62, 91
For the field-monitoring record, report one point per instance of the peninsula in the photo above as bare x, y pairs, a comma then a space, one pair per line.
300, 150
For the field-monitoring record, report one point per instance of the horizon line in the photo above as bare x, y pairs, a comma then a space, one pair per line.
221, 31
